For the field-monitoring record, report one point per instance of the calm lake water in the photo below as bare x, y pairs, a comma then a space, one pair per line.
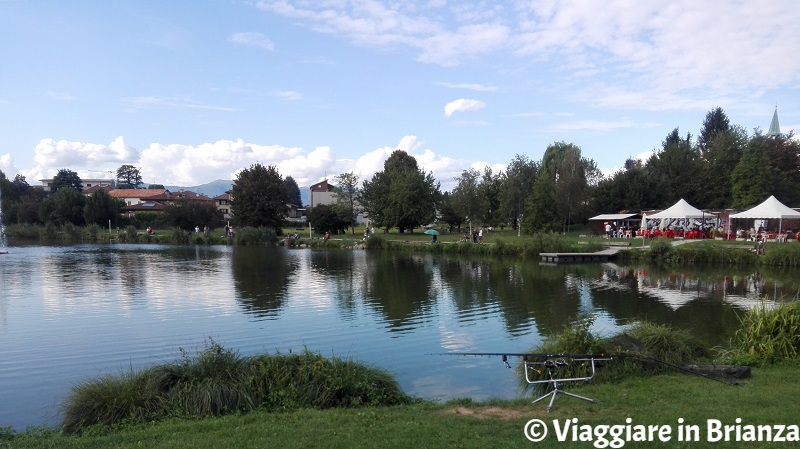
71, 313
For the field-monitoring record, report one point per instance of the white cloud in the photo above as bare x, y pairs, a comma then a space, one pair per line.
7, 165
461, 105
252, 39
55, 155
172, 102
288, 95
469, 86
187, 165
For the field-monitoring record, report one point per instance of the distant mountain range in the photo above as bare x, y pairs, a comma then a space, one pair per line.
220, 186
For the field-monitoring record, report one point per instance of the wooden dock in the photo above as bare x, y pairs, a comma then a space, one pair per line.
600, 256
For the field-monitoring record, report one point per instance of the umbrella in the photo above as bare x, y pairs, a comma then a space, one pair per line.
432, 232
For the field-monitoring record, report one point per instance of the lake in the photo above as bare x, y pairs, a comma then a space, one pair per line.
72, 313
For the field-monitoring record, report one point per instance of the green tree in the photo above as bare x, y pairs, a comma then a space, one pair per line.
63, 206
573, 176
66, 178
715, 123
448, 213
188, 214
466, 197
676, 170
348, 196
540, 215
130, 175
100, 208
516, 186
783, 152
293, 191
259, 198
752, 178
490, 192
720, 155
326, 218
401, 195
155, 186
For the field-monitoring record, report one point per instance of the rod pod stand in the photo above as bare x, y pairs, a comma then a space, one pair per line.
552, 366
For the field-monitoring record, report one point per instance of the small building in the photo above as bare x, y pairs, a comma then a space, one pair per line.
322, 193
87, 183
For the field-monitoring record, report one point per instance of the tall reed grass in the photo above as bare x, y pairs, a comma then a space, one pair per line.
766, 335
217, 381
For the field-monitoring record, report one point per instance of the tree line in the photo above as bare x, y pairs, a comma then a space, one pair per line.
724, 167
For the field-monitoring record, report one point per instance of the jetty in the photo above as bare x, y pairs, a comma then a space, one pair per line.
599, 256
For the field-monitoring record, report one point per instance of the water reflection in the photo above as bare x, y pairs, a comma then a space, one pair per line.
262, 278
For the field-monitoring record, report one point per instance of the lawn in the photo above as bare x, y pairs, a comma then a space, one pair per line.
768, 398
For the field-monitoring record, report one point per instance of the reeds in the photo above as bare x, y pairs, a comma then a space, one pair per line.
218, 381
766, 336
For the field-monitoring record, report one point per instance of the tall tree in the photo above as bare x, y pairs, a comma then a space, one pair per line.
466, 197
783, 152
188, 214
540, 215
293, 191
716, 122
66, 178
752, 178
490, 192
348, 196
573, 177
516, 186
720, 155
259, 198
401, 195
448, 213
676, 170
325, 218
130, 175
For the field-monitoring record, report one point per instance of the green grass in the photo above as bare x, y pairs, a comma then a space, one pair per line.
768, 398
218, 382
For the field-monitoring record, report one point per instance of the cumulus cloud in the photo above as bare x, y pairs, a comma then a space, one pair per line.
62, 153
188, 165
252, 39
461, 105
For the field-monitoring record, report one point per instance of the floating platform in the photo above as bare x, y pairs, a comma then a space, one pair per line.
599, 256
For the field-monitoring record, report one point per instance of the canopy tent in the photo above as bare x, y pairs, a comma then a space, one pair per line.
770, 208
680, 210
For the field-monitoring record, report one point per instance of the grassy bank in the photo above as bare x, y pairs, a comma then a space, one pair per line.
716, 252
767, 398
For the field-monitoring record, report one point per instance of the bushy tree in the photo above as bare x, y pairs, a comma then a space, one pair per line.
63, 206
466, 197
100, 208
401, 195
129, 175
326, 218
188, 214
259, 198
516, 186
66, 178
540, 215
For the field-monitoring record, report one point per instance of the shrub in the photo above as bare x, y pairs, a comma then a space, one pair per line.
179, 236
767, 336
661, 251
255, 236
131, 235
375, 241
217, 381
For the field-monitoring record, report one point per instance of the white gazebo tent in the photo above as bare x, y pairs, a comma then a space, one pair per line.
679, 210
770, 208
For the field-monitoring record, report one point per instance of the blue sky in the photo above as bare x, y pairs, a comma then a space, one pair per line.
191, 92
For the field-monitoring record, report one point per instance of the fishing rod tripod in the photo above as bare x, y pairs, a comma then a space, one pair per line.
552, 366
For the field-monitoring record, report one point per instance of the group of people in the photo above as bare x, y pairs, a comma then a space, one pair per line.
477, 236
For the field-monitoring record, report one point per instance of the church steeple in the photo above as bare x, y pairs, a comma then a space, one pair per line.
774, 127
